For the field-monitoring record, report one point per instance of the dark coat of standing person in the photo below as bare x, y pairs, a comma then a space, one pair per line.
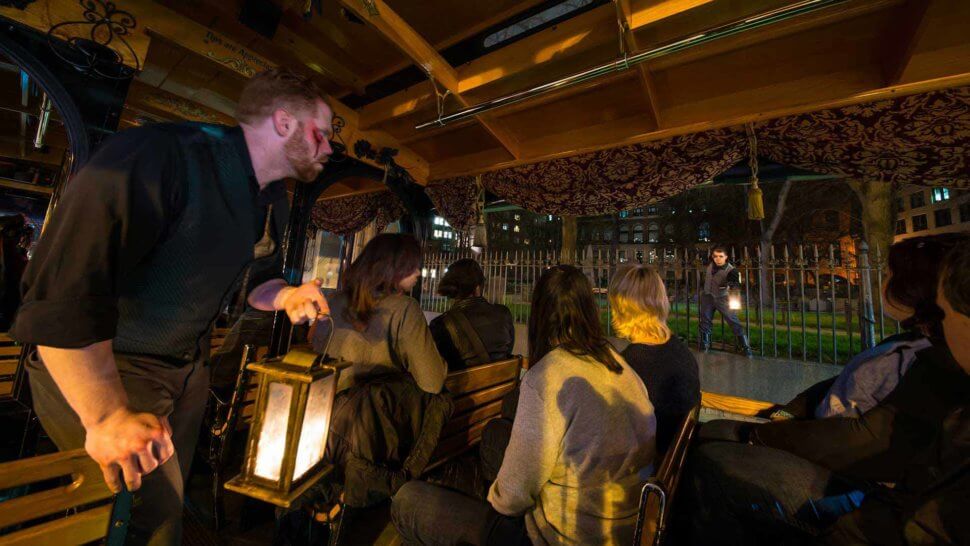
720, 277
141, 253
473, 331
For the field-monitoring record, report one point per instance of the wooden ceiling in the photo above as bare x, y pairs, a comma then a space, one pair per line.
198, 55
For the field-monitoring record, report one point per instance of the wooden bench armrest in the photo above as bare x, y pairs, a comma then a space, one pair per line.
735, 404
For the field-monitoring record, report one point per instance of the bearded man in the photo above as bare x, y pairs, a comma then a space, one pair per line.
143, 249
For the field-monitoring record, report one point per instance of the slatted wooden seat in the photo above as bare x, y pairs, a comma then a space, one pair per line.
657, 495
9, 366
86, 499
477, 393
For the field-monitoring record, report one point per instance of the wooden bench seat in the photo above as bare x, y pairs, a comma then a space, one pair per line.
477, 393
9, 366
84, 501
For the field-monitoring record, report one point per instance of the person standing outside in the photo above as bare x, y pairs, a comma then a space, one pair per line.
719, 278
144, 248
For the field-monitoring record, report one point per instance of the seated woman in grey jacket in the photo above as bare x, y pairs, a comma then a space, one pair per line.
582, 443
376, 325
473, 331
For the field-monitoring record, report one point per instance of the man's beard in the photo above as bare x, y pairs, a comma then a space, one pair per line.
298, 154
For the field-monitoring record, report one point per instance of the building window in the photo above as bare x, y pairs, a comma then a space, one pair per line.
624, 213
638, 212
653, 233
900, 226
916, 200
942, 217
516, 228
965, 212
640, 256
505, 227
652, 209
704, 232
516, 217
638, 233
938, 195
900, 204
622, 256
607, 234
919, 222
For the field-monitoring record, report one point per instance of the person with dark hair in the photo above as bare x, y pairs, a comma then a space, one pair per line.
142, 251
909, 291
719, 278
800, 476
376, 325
582, 443
473, 331
388, 413
928, 504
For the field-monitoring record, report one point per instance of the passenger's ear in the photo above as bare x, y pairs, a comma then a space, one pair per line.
283, 122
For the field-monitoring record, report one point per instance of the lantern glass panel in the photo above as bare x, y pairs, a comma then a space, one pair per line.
271, 448
316, 424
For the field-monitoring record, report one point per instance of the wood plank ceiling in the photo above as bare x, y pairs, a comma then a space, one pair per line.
855, 51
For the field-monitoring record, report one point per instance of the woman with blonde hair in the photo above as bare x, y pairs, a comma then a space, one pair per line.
640, 307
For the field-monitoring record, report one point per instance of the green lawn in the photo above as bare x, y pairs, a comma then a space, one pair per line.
775, 331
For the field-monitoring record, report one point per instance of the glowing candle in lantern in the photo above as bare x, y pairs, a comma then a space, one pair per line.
734, 299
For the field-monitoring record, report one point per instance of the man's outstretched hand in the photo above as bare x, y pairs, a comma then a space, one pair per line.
305, 302
128, 446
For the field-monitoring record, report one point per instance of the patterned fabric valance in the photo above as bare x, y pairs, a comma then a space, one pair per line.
348, 215
919, 139
456, 200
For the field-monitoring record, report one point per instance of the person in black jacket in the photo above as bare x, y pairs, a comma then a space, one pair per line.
640, 307
473, 331
719, 277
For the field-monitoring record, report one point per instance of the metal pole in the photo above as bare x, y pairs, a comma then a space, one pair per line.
867, 327
619, 65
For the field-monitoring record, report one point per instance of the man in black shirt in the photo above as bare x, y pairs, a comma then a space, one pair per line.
147, 242
720, 277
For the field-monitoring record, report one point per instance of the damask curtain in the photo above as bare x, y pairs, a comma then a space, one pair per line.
348, 215
456, 200
919, 139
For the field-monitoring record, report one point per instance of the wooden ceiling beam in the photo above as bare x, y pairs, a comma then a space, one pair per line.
459, 36
626, 132
905, 39
400, 33
625, 22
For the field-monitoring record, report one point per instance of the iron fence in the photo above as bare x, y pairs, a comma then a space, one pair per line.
802, 302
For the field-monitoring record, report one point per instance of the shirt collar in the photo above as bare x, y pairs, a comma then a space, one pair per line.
275, 190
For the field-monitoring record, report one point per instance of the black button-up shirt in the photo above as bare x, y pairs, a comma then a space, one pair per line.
115, 210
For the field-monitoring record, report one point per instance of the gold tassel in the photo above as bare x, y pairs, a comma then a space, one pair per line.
756, 203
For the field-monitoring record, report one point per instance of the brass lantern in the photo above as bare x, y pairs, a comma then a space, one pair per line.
288, 436
734, 299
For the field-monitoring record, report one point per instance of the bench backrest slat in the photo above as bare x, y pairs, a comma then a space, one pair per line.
86, 487
477, 393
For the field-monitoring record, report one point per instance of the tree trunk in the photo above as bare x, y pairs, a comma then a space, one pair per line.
878, 220
568, 239
765, 242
